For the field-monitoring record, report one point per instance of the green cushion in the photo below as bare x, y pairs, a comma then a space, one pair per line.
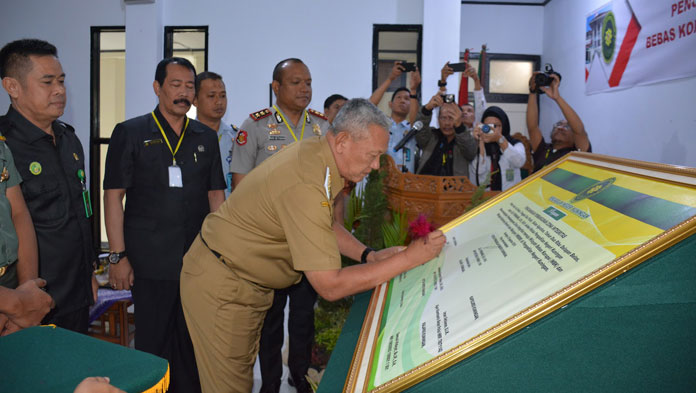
635, 333
55, 360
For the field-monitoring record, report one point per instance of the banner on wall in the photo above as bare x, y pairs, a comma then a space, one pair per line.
637, 42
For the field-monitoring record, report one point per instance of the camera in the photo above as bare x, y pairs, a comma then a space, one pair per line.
408, 67
545, 78
487, 128
448, 98
458, 67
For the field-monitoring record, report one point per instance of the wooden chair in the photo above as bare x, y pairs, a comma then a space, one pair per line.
115, 325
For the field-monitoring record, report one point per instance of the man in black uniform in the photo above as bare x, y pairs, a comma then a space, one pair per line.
169, 168
50, 160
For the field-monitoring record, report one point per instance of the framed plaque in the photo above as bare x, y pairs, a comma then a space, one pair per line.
561, 233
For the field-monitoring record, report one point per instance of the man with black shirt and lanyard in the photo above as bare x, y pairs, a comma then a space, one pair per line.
263, 134
567, 135
168, 166
50, 160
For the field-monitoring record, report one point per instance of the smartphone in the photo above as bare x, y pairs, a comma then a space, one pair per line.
408, 67
448, 98
458, 67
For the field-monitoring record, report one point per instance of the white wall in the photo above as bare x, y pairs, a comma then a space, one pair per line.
246, 39
62, 23
652, 123
333, 38
505, 28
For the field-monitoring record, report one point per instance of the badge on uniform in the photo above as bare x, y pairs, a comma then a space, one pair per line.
273, 131
35, 168
241, 138
276, 137
151, 142
272, 148
85, 193
316, 129
5, 175
77, 158
175, 177
201, 148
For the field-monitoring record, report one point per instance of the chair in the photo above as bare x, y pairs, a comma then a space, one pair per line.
109, 317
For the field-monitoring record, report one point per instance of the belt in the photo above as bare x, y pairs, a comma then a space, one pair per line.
217, 254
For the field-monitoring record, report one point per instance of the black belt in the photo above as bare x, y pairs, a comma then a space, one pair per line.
217, 254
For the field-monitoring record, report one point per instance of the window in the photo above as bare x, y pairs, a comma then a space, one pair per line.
389, 44
507, 76
108, 108
191, 43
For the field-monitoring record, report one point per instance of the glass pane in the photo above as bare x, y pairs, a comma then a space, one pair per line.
510, 76
190, 44
394, 46
474, 63
102, 160
112, 90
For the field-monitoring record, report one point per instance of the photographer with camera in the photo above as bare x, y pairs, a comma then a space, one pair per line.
446, 150
404, 106
499, 155
469, 112
567, 135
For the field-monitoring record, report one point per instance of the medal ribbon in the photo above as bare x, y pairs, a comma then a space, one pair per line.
181, 138
304, 121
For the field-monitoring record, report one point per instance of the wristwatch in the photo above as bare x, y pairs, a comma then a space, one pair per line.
441, 83
115, 257
365, 253
501, 140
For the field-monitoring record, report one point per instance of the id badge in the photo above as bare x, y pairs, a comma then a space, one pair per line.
510, 174
175, 176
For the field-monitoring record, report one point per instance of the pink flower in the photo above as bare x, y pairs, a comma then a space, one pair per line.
420, 227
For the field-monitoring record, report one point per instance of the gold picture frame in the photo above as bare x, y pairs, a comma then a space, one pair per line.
670, 188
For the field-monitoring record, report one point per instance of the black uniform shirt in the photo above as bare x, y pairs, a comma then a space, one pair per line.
440, 162
161, 222
544, 154
53, 192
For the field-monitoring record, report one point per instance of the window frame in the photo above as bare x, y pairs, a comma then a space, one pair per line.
169, 41
96, 141
509, 98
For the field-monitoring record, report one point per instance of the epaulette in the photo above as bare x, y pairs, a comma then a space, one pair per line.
317, 114
260, 114
66, 126
234, 128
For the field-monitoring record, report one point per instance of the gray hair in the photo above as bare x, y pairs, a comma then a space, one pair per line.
356, 115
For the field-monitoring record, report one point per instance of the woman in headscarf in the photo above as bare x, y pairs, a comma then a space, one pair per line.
499, 154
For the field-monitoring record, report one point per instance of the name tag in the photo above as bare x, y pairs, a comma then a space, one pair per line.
151, 142
175, 177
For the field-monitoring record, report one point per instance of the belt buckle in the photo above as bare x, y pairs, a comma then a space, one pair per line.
3, 270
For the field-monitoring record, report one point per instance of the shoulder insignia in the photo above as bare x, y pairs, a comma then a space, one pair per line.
234, 128
66, 126
317, 114
260, 114
241, 138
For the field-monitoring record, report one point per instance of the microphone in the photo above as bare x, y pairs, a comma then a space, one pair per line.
417, 126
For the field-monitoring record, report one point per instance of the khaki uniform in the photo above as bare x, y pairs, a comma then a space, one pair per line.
264, 133
9, 177
277, 223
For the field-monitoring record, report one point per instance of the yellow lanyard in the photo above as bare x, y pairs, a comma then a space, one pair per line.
304, 121
181, 138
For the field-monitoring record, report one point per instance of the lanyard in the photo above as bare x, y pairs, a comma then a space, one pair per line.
181, 138
304, 121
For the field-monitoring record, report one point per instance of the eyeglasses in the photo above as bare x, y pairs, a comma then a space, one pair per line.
561, 124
